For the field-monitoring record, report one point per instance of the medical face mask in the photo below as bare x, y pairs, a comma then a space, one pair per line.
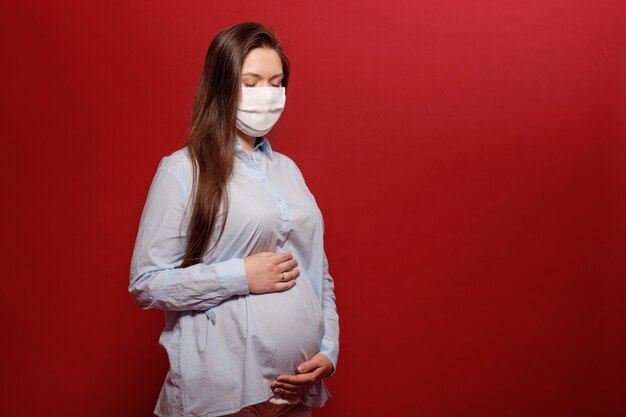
259, 109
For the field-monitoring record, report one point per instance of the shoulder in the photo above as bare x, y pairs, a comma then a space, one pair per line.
179, 166
289, 169
177, 160
285, 162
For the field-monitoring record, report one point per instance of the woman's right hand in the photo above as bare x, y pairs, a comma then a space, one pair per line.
270, 271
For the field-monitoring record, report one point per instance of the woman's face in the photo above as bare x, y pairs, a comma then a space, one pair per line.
261, 68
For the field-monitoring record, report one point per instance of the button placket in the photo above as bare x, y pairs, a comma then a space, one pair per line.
279, 200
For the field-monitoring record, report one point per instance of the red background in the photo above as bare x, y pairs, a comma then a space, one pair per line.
469, 158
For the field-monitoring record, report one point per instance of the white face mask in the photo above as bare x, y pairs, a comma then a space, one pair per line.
259, 109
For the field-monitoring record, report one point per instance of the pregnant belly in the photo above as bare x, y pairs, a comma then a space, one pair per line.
285, 328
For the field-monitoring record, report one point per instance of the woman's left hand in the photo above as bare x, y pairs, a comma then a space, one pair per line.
309, 372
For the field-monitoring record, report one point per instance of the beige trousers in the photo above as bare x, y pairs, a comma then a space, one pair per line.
267, 409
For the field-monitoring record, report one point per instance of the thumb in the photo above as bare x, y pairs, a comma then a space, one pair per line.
305, 367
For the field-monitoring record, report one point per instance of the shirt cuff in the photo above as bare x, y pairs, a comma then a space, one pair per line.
331, 351
231, 278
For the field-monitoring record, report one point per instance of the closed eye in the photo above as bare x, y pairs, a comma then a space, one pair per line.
253, 85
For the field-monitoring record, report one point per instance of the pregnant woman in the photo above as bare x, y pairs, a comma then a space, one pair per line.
230, 246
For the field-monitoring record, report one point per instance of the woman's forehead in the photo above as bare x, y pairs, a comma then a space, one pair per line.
261, 61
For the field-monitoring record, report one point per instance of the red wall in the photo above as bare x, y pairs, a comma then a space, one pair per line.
469, 158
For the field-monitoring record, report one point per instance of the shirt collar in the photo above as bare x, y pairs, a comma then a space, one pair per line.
263, 146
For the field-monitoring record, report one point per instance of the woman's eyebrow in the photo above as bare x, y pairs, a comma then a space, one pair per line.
258, 76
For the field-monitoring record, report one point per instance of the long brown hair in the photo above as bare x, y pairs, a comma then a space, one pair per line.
213, 128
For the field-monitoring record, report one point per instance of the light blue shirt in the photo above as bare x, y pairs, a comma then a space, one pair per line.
225, 346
